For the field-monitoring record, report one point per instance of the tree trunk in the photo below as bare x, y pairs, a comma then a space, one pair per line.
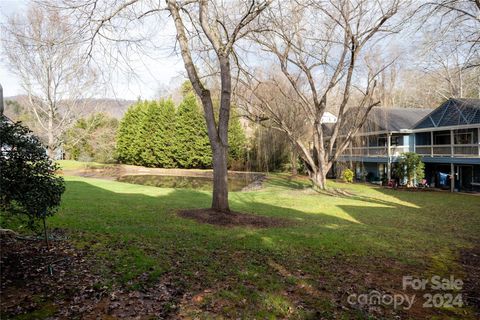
294, 160
220, 179
51, 139
319, 179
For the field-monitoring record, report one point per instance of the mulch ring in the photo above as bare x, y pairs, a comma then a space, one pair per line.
62, 282
234, 219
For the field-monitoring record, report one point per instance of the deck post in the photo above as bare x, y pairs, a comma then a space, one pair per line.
389, 163
368, 146
452, 177
431, 144
452, 149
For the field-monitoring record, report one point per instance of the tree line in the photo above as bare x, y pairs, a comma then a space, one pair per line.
153, 133
307, 59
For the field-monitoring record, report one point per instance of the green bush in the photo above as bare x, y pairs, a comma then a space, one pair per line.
92, 139
154, 134
191, 136
347, 175
28, 184
410, 167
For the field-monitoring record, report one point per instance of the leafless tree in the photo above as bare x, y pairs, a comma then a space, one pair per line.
42, 49
459, 16
221, 29
282, 109
451, 47
206, 34
322, 49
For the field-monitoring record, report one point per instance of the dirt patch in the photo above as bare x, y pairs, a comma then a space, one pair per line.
470, 260
62, 283
234, 219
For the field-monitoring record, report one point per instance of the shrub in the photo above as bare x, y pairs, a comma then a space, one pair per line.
153, 134
410, 167
191, 138
92, 139
28, 184
347, 175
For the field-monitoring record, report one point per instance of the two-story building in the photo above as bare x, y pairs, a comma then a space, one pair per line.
446, 137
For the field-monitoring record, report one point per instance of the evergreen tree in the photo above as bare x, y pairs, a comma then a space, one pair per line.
193, 147
129, 138
237, 141
159, 134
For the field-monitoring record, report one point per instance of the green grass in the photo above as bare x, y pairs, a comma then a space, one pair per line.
334, 244
74, 165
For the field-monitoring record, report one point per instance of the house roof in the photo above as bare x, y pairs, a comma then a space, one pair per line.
452, 112
393, 119
381, 119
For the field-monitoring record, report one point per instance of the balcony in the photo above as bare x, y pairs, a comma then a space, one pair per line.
455, 150
395, 151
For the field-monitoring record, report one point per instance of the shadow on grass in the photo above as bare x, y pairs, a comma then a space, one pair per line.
137, 232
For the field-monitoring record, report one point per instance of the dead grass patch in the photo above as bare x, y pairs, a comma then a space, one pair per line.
234, 219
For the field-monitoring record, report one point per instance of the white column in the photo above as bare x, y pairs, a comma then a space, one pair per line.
452, 149
431, 144
389, 164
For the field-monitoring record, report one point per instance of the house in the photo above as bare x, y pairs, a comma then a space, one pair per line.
328, 117
446, 137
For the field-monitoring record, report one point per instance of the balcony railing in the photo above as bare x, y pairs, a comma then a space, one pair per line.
375, 151
458, 150
448, 150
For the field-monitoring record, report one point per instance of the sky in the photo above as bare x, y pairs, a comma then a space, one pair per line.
161, 71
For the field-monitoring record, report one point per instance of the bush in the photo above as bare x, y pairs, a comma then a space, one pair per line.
28, 184
347, 175
92, 139
191, 138
154, 134
410, 168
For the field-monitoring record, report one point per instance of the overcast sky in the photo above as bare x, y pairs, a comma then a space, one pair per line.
161, 71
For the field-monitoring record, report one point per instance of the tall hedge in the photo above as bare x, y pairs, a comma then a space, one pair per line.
129, 138
157, 142
237, 140
193, 147
153, 134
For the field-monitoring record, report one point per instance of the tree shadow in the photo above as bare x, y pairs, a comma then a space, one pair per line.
143, 220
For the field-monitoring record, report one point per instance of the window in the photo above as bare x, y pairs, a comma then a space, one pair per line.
382, 141
465, 136
396, 140
441, 137
422, 138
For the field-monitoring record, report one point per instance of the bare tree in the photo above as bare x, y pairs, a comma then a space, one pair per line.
42, 49
450, 51
321, 48
222, 29
206, 34
283, 110
461, 17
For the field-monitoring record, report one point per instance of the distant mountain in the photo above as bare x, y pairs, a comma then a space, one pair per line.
114, 107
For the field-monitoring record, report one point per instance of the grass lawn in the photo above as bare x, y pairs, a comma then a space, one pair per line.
337, 246
75, 165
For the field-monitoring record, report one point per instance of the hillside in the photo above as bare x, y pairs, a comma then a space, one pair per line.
113, 107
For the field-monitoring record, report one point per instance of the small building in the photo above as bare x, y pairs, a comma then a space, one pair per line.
446, 137
328, 117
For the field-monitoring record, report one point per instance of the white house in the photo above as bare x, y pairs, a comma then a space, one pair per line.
328, 117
